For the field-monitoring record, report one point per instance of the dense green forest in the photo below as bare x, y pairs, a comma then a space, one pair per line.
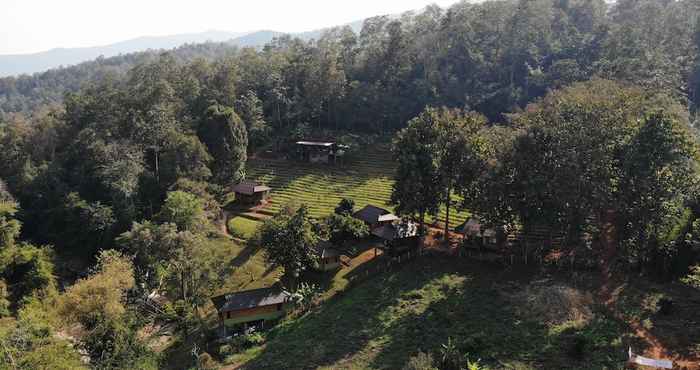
492, 57
573, 114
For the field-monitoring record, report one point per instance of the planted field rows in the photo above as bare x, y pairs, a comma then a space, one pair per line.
366, 179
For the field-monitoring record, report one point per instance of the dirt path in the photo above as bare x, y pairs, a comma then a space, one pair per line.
223, 226
608, 294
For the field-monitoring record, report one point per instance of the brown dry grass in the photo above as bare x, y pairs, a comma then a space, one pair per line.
555, 304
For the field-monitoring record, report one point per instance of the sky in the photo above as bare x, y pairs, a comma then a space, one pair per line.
28, 26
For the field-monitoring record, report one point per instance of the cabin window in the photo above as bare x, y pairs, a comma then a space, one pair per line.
279, 307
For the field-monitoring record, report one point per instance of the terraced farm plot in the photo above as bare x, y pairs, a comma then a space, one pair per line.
367, 180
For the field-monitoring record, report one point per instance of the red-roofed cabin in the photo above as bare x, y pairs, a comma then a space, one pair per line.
250, 193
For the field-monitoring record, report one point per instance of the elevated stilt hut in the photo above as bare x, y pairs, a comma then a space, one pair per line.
251, 193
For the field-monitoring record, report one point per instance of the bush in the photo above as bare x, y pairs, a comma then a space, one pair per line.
578, 346
665, 306
206, 362
225, 350
421, 361
693, 278
243, 342
450, 356
345, 207
255, 339
474, 365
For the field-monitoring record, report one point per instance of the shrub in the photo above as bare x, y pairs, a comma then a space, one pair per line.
693, 278
578, 346
474, 365
421, 361
225, 350
243, 342
665, 306
450, 357
345, 207
206, 362
305, 295
255, 339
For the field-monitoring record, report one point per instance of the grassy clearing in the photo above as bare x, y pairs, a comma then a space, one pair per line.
381, 323
366, 180
242, 227
248, 267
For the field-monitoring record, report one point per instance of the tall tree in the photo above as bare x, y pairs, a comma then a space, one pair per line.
225, 135
417, 187
287, 240
458, 152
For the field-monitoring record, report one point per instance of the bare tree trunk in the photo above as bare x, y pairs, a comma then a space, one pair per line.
447, 215
157, 167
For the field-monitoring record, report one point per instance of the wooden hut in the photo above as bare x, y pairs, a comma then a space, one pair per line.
375, 217
251, 307
475, 232
328, 256
251, 193
320, 151
399, 238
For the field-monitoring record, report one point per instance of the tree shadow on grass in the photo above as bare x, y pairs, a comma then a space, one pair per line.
382, 322
249, 250
470, 312
338, 329
484, 324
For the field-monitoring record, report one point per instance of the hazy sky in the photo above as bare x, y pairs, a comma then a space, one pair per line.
36, 25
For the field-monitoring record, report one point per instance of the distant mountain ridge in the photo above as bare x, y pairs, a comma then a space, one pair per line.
18, 64
54, 58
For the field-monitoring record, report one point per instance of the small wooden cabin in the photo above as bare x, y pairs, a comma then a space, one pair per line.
251, 307
320, 151
475, 232
375, 217
399, 238
328, 256
251, 193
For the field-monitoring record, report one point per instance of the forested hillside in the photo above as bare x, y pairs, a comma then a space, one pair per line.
572, 116
490, 57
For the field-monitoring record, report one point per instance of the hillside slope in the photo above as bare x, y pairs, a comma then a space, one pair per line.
383, 322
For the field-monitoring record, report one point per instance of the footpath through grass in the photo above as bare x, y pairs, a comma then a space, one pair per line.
382, 322
367, 179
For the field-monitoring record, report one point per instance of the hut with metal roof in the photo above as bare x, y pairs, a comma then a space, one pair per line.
375, 217
252, 307
473, 230
320, 151
251, 193
400, 237
328, 256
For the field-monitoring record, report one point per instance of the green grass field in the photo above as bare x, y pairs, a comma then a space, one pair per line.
242, 227
367, 179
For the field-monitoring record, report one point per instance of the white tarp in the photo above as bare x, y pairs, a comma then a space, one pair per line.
639, 360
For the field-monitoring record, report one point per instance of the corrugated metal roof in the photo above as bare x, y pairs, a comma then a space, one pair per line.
250, 188
393, 232
250, 299
315, 143
325, 249
371, 214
